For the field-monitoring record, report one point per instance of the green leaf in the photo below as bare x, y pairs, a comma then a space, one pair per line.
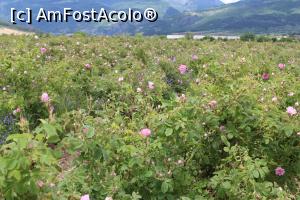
165, 187
225, 141
53, 139
17, 137
50, 130
16, 174
184, 198
169, 132
230, 136
255, 174
148, 174
52, 136
226, 185
288, 131
226, 149
90, 133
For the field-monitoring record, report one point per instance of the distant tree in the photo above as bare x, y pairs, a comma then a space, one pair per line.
263, 38
189, 36
248, 37
210, 38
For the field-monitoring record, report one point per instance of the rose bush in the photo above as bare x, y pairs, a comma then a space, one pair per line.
148, 118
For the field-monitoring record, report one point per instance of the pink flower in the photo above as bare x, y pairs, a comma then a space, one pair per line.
291, 94
85, 130
17, 110
45, 97
182, 69
146, 132
291, 111
43, 50
173, 59
194, 57
213, 104
88, 66
279, 171
266, 76
85, 197
40, 183
222, 128
151, 85
281, 66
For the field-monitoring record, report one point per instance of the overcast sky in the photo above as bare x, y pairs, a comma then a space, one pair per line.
229, 1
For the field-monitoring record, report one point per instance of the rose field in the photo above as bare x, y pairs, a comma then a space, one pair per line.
86, 117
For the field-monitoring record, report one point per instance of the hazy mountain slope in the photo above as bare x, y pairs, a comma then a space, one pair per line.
168, 8
194, 5
203, 4
259, 16
252, 15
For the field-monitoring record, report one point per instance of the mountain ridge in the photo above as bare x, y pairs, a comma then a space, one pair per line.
257, 16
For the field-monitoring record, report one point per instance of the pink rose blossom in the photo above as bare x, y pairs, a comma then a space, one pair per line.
146, 132
291, 94
85, 197
85, 130
17, 110
194, 57
43, 50
45, 97
291, 111
173, 59
182, 69
266, 76
40, 183
88, 66
213, 104
279, 171
281, 66
222, 128
151, 85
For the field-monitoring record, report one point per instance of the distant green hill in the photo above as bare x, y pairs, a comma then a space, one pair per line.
165, 8
258, 16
